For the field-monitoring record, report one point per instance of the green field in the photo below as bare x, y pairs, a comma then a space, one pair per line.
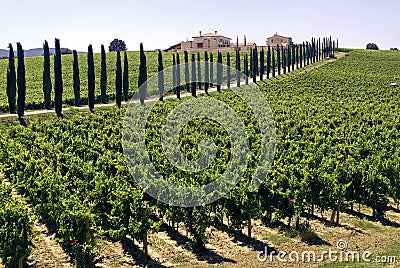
338, 134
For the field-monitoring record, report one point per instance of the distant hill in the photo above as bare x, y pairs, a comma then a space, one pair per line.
35, 52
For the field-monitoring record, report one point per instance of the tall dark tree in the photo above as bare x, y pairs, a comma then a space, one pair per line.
293, 56
178, 76
193, 81
206, 73
117, 45
301, 55
219, 71
278, 51
297, 56
76, 79
125, 81
268, 62
103, 77
58, 81
174, 73
262, 64
12, 81
255, 57
142, 81
211, 70
118, 80
273, 63
21, 81
238, 68
46, 76
187, 77
199, 70
289, 58
246, 69
91, 78
251, 64
255, 64
228, 70
161, 76
284, 60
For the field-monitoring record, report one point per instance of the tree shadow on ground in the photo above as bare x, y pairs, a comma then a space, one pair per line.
203, 254
138, 255
251, 242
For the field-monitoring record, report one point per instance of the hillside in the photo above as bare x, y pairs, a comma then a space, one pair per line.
338, 138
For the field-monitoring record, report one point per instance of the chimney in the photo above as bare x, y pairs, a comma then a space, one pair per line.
215, 32
200, 33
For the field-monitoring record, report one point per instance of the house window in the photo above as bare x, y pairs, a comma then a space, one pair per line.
200, 45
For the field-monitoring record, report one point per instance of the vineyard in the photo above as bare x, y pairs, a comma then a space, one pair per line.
338, 147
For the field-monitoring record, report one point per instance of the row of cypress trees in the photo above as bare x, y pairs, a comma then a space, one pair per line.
278, 60
16, 81
287, 59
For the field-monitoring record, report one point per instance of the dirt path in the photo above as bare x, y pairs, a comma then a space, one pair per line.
186, 94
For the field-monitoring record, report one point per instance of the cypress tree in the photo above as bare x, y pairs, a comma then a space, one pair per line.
193, 84
289, 58
125, 81
77, 80
273, 63
268, 62
279, 59
251, 73
206, 73
219, 71
161, 76
228, 70
199, 70
174, 79
142, 85
308, 52
187, 78
293, 57
58, 82
12, 85
284, 59
262, 64
255, 64
46, 76
21, 81
103, 77
237, 68
297, 56
178, 76
211, 70
246, 69
91, 78
301, 55
118, 80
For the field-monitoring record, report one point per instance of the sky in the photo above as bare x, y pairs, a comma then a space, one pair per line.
160, 24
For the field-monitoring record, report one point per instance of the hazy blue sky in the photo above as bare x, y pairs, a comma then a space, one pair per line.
159, 24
